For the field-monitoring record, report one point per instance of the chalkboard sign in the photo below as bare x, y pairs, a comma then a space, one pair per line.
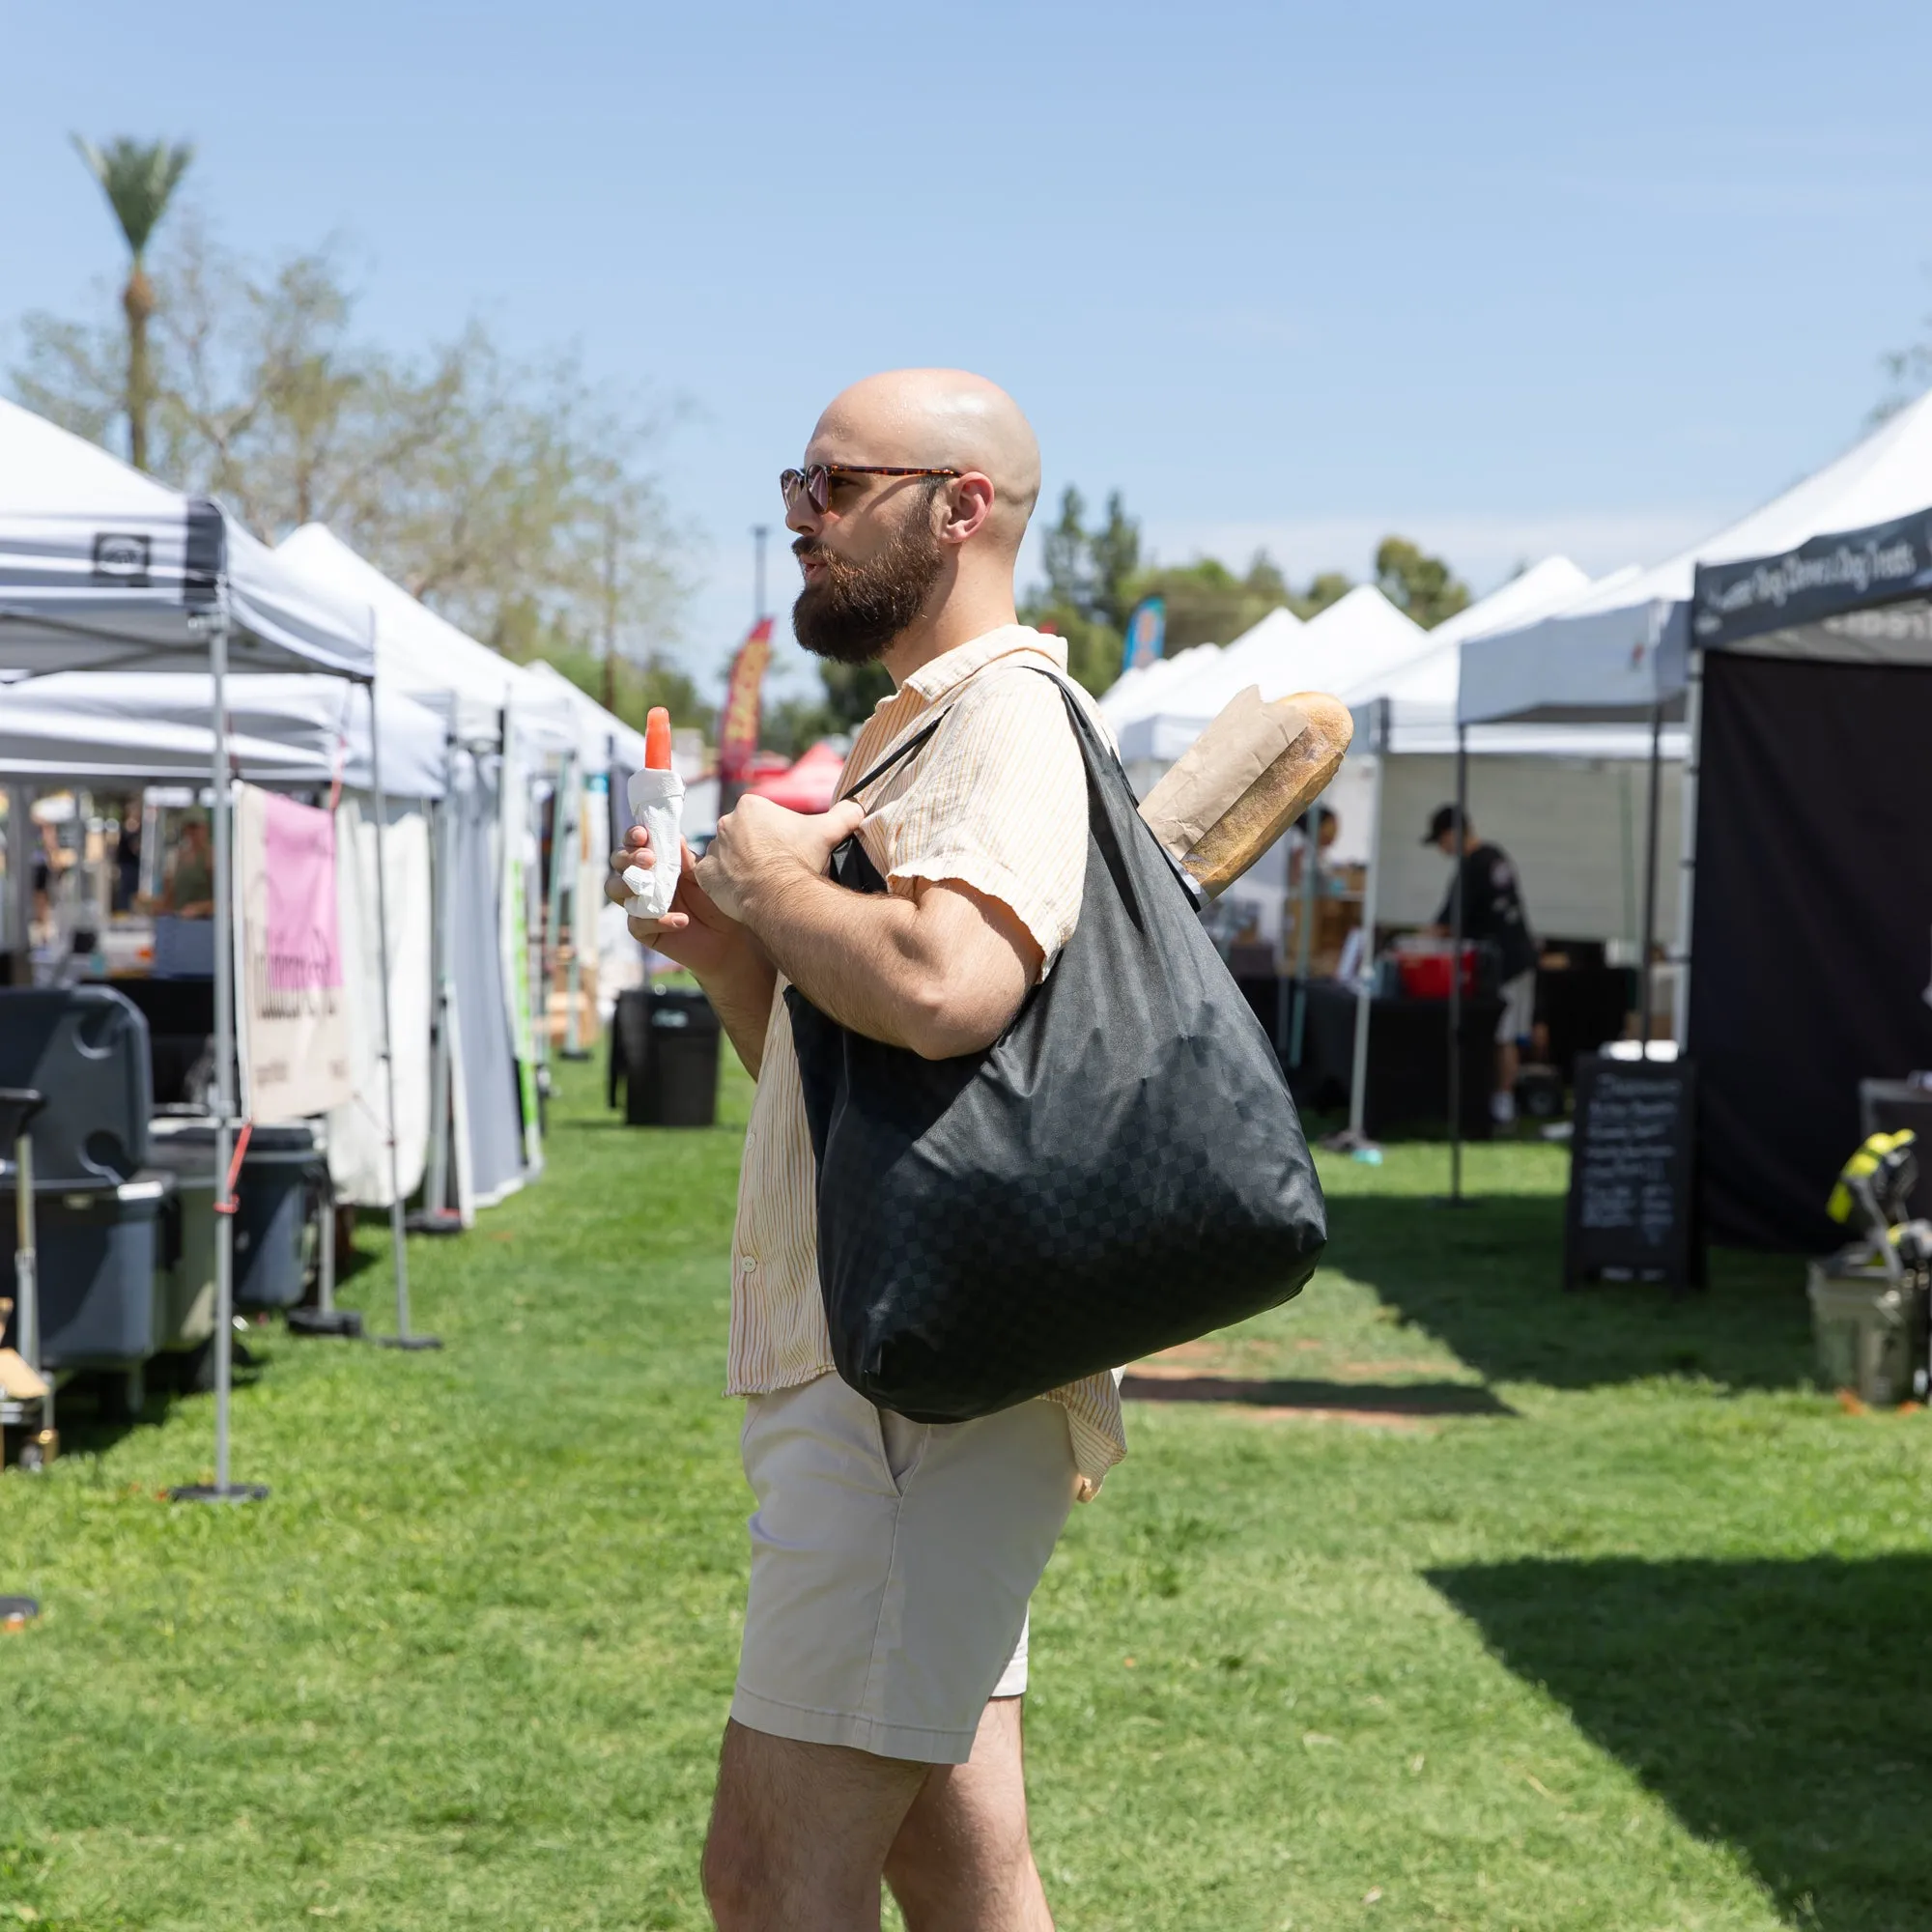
1633, 1209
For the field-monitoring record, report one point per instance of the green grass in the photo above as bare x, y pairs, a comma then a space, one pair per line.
1642, 1646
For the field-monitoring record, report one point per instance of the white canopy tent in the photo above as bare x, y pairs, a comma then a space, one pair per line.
153, 727
1561, 799
1624, 649
510, 730
426, 655
101, 568
1359, 637
302, 733
1626, 652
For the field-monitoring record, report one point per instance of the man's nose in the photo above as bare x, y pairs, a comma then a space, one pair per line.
801, 518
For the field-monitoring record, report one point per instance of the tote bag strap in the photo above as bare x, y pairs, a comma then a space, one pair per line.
899, 754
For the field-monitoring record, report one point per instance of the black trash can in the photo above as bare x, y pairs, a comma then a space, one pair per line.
664, 1046
271, 1205
98, 1251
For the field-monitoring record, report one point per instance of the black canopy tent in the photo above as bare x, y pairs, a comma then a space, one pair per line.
1812, 922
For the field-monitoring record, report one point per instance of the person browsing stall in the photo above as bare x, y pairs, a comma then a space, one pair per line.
875, 1731
1492, 915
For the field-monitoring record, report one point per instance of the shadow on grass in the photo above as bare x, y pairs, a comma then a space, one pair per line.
1320, 1397
1487, 1280
1782, 1707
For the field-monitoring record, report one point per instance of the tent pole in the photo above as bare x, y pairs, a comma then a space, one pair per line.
1304, 934
1649, 941
1686, 863
562, 815
436, 1194
1458, 914
20, 884
398, 1246
573, 1031
221, 1489
1365, 987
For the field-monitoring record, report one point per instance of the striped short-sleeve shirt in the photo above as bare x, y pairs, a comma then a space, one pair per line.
997, 800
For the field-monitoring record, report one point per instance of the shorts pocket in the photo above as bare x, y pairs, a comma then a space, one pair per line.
901, 1444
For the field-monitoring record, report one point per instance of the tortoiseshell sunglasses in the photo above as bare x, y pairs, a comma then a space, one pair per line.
816, 479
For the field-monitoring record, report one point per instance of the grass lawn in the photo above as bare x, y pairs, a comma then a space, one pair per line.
1480, 1606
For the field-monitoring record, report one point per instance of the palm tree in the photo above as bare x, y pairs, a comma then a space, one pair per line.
137, 178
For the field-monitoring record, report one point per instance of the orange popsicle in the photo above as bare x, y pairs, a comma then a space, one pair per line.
656, 740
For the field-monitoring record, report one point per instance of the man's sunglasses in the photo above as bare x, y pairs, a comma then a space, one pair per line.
814, 480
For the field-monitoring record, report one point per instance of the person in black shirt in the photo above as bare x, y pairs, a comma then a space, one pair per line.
1492, 914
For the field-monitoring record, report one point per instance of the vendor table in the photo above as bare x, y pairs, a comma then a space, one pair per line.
1407, 1087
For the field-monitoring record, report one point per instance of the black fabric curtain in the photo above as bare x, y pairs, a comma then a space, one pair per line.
1812, 947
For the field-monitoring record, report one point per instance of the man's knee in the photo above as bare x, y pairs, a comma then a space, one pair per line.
736, 1874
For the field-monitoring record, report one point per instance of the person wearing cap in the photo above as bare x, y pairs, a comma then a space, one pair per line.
1492, 915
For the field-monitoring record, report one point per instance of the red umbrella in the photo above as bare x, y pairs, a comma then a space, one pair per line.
811, 785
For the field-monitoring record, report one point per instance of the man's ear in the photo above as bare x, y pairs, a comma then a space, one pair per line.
970, 504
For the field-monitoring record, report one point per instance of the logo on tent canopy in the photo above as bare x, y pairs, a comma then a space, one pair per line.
119, 558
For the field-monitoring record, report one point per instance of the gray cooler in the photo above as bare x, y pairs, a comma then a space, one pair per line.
98, 1248
271, 1208
184, 1286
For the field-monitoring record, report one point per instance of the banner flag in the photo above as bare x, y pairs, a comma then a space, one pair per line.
1147, 634
294, 1031
738, 723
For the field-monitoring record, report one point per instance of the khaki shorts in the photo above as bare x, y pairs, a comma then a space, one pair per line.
891, 1564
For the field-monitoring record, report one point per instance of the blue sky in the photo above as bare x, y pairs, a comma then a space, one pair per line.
1507, 278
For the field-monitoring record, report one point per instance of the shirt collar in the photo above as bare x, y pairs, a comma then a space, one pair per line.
952, 668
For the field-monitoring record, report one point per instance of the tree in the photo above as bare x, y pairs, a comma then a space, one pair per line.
1420, 585
1094, 579
1114, 560
487, 487
140, 179
1066, 556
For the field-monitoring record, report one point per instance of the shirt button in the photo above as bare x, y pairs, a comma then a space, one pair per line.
749, 1265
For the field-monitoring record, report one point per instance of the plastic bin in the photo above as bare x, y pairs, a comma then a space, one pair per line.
664, 1045
184, 1289
97, 1250
271, 1205
1870, 1331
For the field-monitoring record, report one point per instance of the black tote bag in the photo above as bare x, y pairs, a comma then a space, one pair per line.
1120, 1171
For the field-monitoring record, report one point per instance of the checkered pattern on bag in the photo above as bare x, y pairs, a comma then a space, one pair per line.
1121, 1171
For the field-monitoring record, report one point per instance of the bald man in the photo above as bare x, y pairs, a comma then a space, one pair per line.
875, 1730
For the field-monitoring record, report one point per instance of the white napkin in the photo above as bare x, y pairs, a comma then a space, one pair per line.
657, 803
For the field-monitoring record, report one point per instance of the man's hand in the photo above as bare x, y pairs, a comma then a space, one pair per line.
695, 932
761, 849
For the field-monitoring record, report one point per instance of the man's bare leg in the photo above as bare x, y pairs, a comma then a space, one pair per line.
962, 1861
800, 1832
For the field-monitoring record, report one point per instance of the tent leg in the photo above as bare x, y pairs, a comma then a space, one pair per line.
1364, 986
437, 1215
573, 985
398, 1246
20, 884
1304, 934
1456, 915
221, 1489
1686, 863
1649, 942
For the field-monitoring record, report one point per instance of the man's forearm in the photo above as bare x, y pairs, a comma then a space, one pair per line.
741, 996
854, 956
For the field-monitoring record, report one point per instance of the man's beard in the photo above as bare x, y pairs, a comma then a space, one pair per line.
855, 611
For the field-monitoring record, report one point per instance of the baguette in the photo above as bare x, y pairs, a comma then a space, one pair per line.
1242, 784
1277, 798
